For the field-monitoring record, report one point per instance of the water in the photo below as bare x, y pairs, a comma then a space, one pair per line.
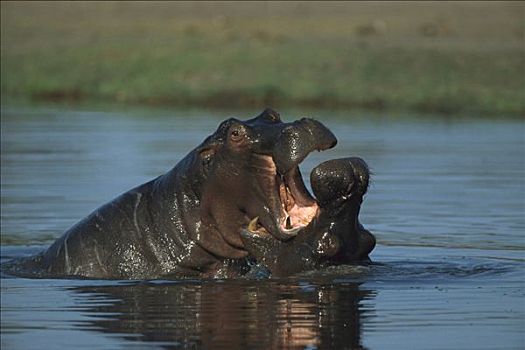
447, 205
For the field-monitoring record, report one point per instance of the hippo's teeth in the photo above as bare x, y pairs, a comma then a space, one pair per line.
252, 226
288, 223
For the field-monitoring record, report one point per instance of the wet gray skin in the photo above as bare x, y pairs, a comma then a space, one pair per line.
187, 222
334, 236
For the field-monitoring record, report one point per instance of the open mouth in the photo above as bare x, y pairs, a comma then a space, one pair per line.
289, 207
299, 207
293, 205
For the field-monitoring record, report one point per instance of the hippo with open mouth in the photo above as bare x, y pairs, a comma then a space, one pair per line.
237, 196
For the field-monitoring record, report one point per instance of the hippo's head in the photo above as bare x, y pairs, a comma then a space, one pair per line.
252, 185
253, 173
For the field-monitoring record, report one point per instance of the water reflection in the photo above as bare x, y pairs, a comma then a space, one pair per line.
229, 314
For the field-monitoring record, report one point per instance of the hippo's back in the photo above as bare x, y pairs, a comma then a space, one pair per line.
111, 242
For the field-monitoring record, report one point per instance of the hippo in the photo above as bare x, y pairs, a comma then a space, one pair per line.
189, 222
333, 237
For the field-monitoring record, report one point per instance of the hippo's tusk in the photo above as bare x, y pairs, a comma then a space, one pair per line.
288, 223
252, 226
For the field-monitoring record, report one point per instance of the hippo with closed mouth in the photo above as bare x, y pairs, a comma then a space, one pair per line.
197, 220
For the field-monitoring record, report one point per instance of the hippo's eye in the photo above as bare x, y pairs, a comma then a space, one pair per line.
237, 135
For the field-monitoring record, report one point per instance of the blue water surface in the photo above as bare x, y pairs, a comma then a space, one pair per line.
447, 205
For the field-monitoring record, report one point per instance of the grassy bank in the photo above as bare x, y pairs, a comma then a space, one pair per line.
452, 57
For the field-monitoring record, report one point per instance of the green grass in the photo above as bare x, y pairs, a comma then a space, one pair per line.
450, 58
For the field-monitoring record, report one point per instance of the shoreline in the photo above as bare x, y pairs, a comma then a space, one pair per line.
239, 101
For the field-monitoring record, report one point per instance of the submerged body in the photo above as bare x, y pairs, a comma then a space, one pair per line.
188, 222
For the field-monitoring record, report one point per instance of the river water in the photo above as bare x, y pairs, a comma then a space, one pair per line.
447, 205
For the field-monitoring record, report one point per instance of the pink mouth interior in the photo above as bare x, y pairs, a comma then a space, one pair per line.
296, 214
297, 208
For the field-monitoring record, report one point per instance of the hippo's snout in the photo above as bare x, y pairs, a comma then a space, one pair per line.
298, 140
338, 179
339, 186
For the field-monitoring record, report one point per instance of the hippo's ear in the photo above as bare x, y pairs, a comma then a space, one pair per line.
206, 155
207, 150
